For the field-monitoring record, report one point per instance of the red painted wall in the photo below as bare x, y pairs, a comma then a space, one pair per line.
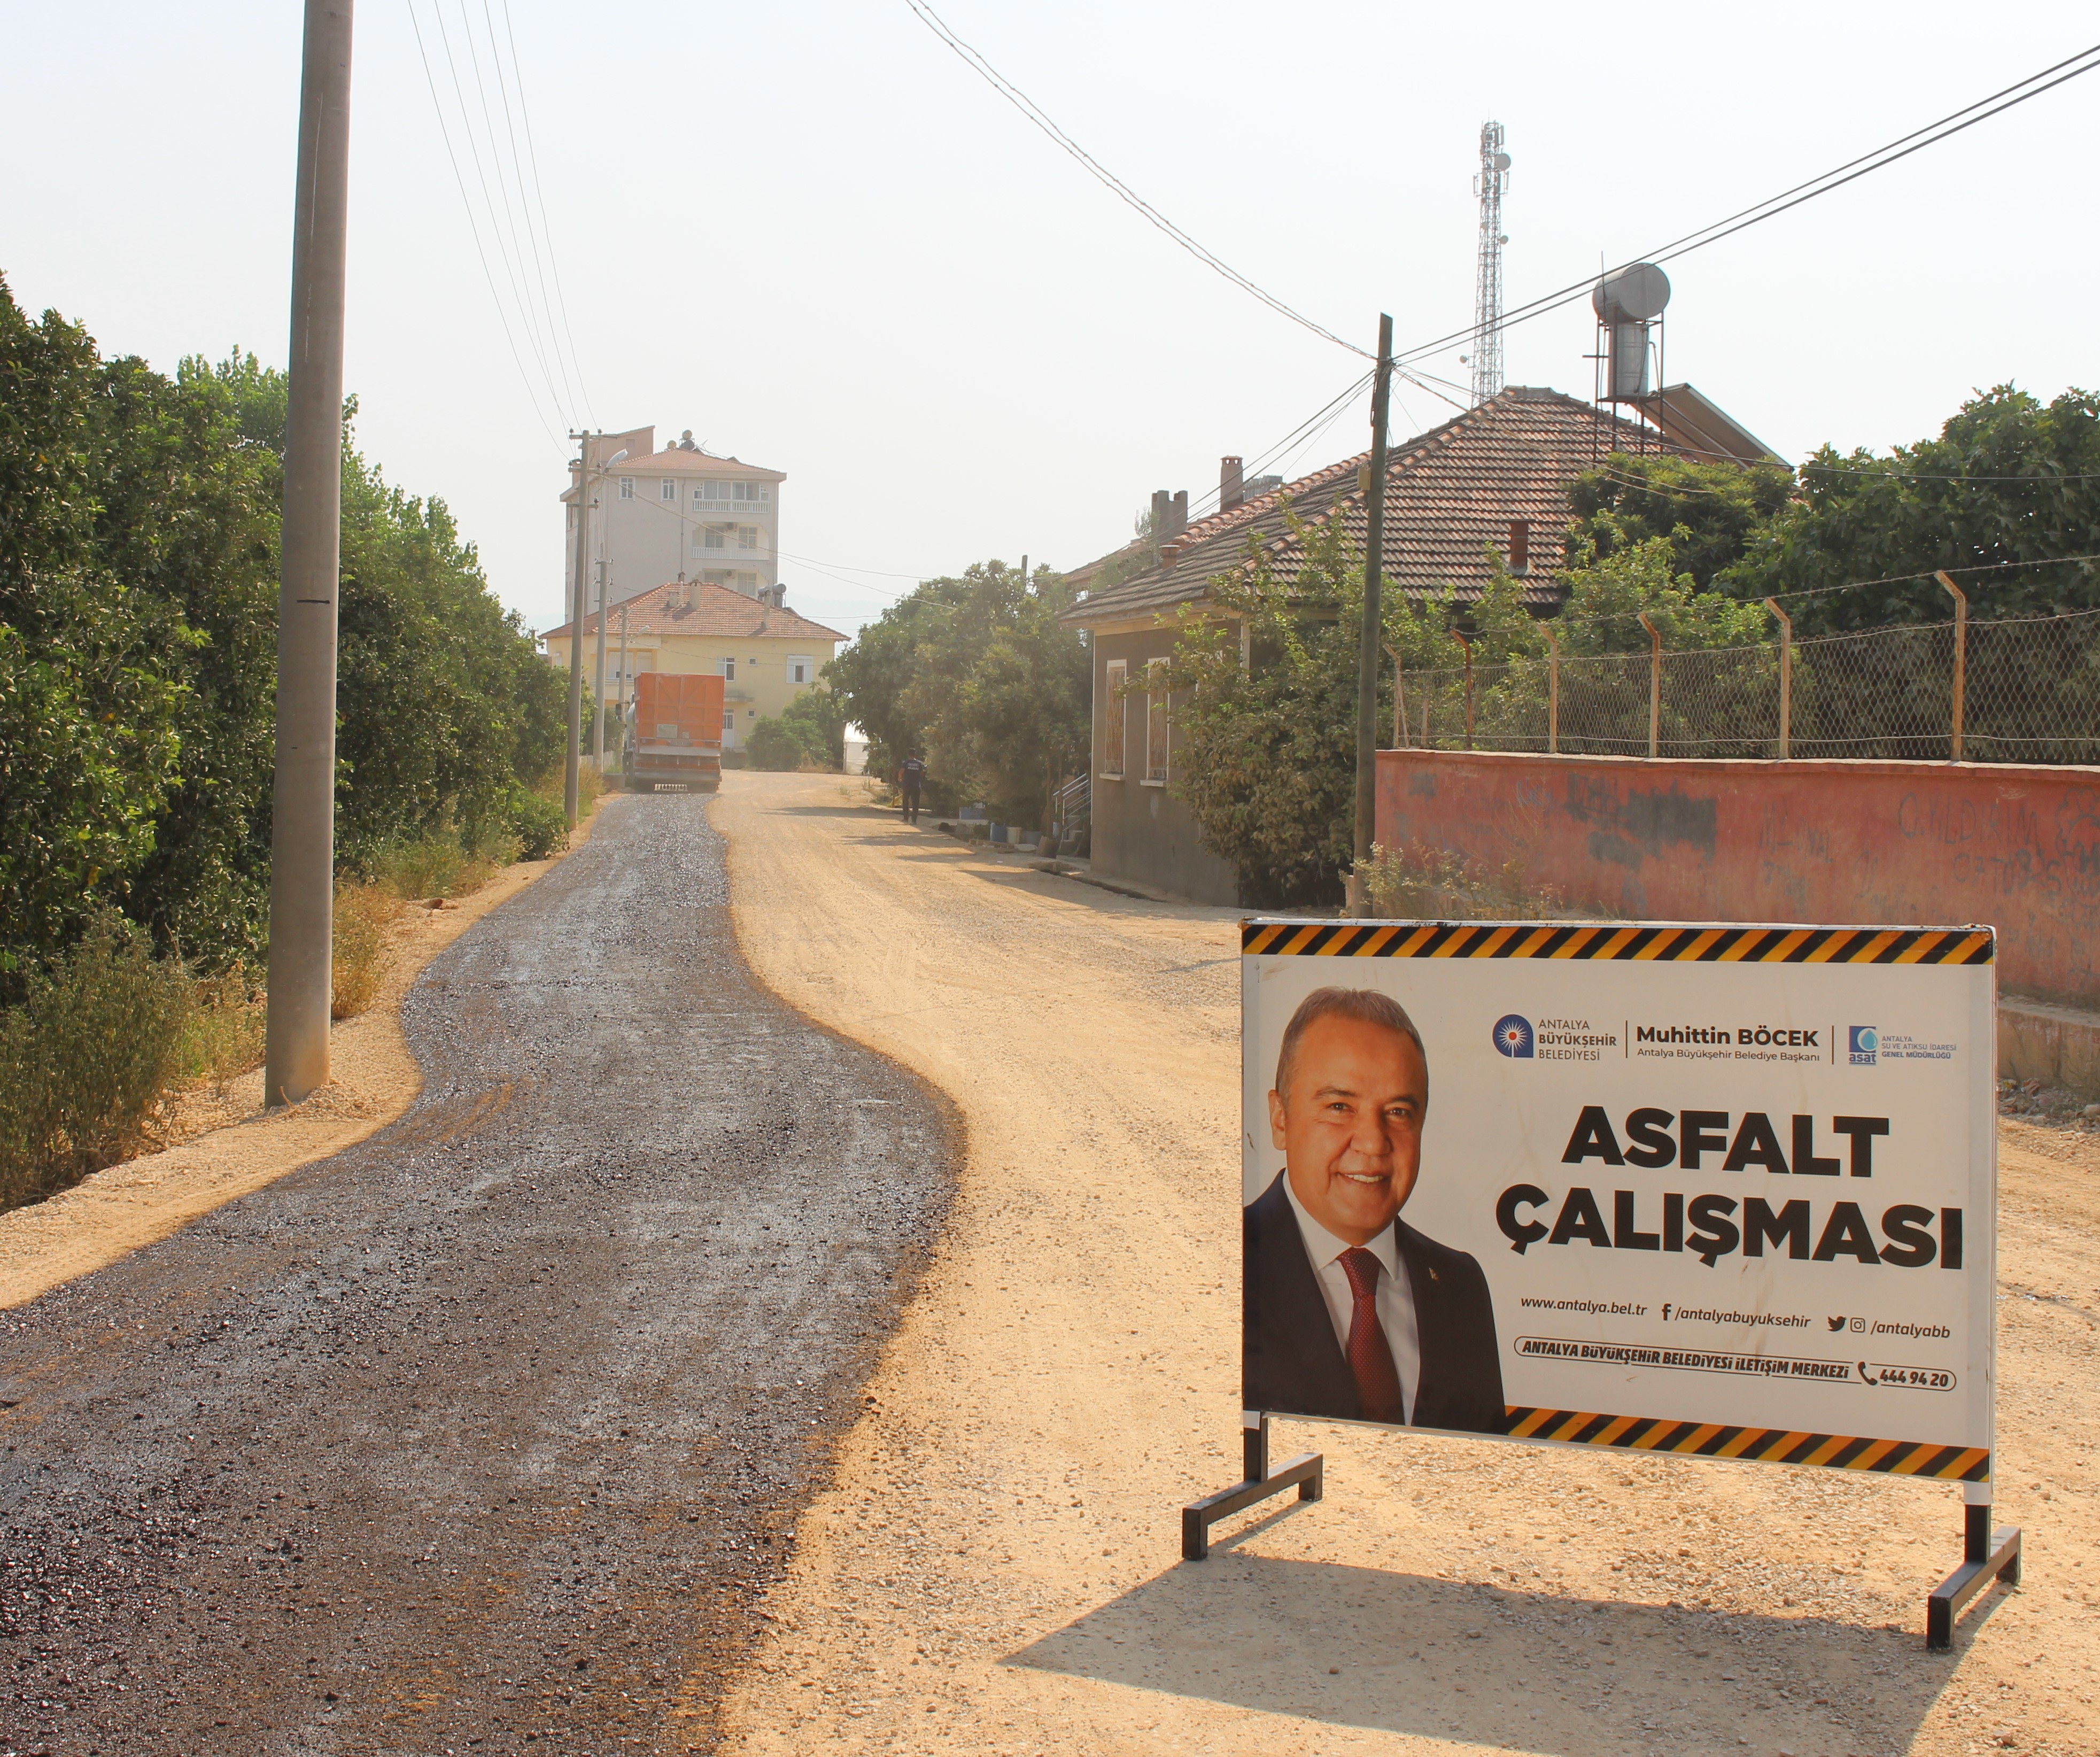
1852, 843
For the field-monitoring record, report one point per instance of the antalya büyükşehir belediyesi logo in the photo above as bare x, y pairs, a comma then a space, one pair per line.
1514, 1035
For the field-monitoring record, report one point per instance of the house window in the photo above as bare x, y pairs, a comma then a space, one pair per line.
627, 487
729, 719
799, 668
1155, 722
747, 536
668, 490
714, 538
1112, 720
742, 491
728, 669
747, 583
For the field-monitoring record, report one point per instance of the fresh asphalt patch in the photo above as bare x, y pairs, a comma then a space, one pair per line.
492, 1431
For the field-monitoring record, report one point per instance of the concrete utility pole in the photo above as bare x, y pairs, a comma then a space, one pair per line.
597, 680
1369, 643
302, 795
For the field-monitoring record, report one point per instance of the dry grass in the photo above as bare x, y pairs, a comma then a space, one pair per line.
1419, 883
362, 953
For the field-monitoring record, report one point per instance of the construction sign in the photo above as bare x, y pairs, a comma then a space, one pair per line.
1721, 1190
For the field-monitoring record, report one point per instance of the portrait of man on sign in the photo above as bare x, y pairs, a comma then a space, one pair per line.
1349, 1312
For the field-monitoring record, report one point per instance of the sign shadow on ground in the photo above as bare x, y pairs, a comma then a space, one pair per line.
1540, 1671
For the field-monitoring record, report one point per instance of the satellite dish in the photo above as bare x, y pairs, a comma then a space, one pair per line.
1632, 295
1501, 162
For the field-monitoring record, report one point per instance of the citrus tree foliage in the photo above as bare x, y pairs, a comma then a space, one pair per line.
977, 675
139, 559
2009, 480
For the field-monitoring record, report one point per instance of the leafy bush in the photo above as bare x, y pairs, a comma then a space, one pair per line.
540, 825
361, 953
85, 1059
809, 733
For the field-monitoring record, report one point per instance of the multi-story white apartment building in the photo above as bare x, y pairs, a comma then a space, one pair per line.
679, 513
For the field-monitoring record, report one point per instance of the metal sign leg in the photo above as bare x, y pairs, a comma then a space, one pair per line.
1986, 1556
1307, 1472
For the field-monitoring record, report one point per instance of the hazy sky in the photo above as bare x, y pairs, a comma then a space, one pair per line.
811, 235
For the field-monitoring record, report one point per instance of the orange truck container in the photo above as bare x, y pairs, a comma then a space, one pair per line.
677, 731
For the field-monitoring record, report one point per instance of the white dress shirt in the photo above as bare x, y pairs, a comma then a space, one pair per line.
1395, 1301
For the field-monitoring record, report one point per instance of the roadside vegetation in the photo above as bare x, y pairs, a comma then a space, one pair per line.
139, 524
977, 675
809, 733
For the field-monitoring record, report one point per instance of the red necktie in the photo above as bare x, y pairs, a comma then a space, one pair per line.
1370, 1356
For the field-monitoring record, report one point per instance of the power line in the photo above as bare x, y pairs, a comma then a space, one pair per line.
1108, 178
474, 227
512, 270
1931, 134
518, 175
540, 195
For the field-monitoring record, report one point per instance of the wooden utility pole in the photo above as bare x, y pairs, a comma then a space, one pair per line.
1368, 641
302, 792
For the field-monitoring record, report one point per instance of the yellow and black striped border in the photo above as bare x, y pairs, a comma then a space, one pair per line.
1630, 942
1770, 1446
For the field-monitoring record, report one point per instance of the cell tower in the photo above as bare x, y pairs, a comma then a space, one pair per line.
1488, 184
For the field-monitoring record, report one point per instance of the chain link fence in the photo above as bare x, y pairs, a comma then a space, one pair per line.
2021, 691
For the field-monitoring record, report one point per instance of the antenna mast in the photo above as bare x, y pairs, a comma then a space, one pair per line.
1492, 179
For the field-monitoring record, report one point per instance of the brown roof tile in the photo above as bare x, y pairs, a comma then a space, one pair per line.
1450, 492
715, 610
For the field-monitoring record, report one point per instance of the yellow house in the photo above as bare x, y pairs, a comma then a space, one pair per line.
765, 653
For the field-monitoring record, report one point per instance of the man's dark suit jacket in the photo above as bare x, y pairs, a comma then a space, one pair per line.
1290, 1363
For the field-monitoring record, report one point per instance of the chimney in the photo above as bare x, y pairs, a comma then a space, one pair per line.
1168, 552
1163, 504
1180, 516
1231, 487
1519, 546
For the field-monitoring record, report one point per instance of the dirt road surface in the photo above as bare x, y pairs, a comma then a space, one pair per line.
490, 1431
995, 1568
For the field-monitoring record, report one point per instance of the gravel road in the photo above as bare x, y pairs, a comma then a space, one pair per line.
493, 1431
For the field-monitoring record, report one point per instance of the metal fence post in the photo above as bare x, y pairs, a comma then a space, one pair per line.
1785, 676
1961, 654
1399, 704
1654, 687
1466, 641
1552, 694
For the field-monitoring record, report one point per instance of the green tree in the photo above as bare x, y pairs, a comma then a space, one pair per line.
2009, 483
811, 728
1709, 512
978, 675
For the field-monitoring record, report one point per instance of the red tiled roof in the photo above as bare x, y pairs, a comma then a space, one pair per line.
1450, 493
673, 461
714, 610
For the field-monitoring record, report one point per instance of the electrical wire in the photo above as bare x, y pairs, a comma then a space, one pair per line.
512, 269
474, 226
540, 195
1109, 180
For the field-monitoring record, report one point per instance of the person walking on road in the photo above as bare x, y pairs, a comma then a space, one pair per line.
911, 778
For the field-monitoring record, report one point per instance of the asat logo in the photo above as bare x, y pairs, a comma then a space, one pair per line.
1865, 1045
1514, 1035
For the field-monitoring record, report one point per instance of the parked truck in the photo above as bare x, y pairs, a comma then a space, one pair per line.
675, 733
